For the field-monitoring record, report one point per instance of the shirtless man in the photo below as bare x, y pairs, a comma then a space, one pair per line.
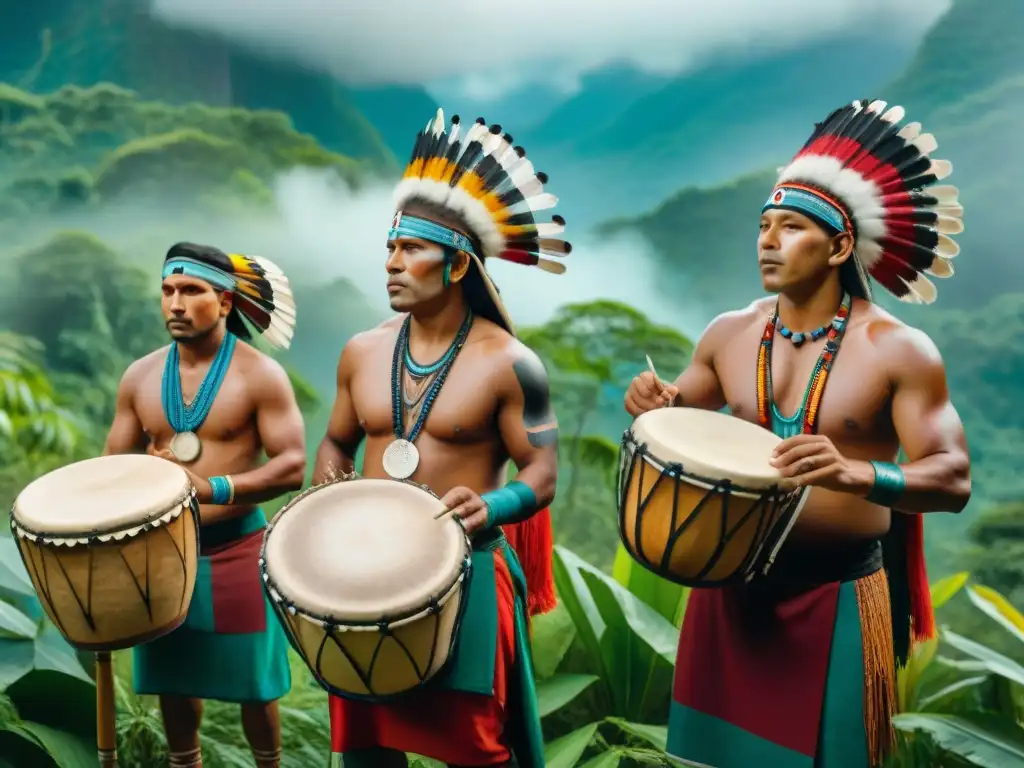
492, 405
797, 670
240, 403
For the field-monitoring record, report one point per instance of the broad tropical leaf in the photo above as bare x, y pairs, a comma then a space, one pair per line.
14, 623
566, 751
986, 742
999, 608
638, 647
945, 589
558, 690
608, 759
576, 597
655, 735
662, 595
995, 663
66, 750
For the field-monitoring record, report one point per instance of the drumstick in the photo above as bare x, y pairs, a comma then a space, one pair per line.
106, 713
650, 364
657, 378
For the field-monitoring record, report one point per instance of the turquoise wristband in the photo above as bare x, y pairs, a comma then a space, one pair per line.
889, 484
222, 490
511, 504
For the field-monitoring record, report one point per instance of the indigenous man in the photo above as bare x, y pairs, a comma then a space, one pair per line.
452, 424
797, 669
212, 403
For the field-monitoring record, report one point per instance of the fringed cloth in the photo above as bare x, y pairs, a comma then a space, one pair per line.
533, 543
789, 675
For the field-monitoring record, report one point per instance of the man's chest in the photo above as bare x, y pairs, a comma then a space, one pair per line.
854, 392
229, 414
462, 409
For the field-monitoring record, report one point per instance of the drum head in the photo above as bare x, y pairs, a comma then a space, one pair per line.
105, 494
710, 444
361, 550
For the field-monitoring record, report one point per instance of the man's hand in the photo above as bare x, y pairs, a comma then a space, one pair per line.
812, 460
468, 507
647, 392
204, 491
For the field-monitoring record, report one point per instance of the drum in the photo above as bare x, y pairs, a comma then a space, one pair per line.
111, 547
699, 502
368, 585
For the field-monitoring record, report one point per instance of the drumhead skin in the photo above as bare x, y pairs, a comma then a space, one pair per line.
363, 550
104, 494
710, 444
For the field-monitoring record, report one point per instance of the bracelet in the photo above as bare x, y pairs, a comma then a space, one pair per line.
889, 484
511, 504
223, 489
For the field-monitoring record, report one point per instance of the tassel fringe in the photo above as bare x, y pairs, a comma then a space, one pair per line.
879, 665
533, 542
922, 613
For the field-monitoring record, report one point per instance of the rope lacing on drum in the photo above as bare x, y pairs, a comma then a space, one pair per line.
770, 507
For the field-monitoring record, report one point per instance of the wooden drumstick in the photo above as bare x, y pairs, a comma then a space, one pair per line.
650, 364
657, 378
106, 712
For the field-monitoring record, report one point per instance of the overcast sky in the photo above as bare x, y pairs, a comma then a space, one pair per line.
501, 46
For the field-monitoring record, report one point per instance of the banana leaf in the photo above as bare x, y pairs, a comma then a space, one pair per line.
983, 741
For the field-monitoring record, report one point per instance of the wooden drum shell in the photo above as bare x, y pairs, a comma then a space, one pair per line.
369, 663
109, 581
721, 533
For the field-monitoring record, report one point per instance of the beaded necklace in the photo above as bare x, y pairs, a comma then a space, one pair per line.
186, 418
804, 421
442, 366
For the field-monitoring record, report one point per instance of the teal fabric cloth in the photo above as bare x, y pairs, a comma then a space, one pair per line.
471, 668
701, 739
196, 661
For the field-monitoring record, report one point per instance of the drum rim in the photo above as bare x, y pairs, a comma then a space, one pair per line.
702, 482
394, 620
762, 481
188, 497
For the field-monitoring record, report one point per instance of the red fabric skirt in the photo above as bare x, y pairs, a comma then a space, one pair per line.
451, 726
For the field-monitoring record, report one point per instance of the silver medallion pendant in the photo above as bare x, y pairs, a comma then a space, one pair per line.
401, 459
186, 447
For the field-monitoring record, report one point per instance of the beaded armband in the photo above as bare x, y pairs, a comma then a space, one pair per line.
511, 504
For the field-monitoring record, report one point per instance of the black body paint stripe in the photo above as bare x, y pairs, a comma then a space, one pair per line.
537, 412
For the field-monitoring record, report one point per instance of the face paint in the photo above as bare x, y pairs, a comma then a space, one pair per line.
415, 273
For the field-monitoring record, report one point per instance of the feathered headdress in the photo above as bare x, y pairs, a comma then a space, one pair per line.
262, 294
490, 186
862, 173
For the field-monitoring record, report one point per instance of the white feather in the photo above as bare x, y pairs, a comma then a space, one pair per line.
894, 115
910, 131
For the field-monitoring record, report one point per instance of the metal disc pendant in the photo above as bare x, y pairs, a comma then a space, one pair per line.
401, 459
186, 447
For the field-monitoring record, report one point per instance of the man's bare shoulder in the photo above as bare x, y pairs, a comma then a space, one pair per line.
366, 342
902, 347
263, 374
139, 369
733, 321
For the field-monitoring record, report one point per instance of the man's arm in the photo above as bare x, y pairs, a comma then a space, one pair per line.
696, 387
126, 433
938, 475
282, 433
336, 454
529, 430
